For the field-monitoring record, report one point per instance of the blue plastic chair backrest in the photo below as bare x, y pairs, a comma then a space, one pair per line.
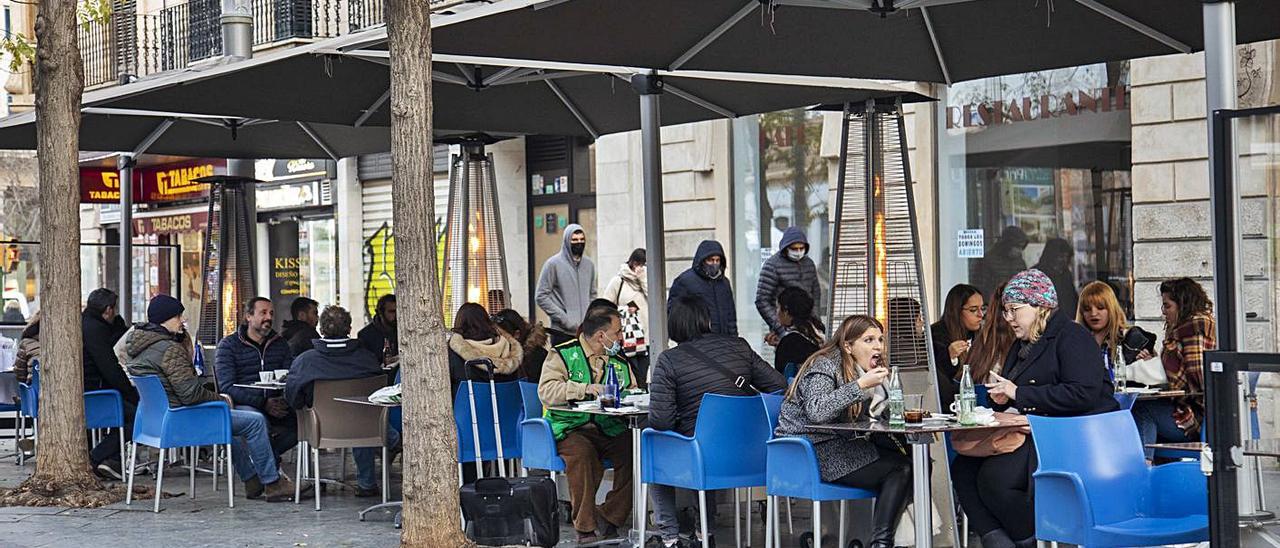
980, 395
772, 408
510, 408
103, 409
1104, 451
1126, 400
152, 405
731, 432
529, 395
30, 392
395, 417
790, 371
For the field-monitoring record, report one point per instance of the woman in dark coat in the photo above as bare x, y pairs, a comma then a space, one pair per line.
803, 331
531, 336
962, 315
1054, 369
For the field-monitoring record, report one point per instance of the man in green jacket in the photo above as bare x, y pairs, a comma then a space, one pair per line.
575, 371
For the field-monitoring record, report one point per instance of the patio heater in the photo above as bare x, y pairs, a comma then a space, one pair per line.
228, 256
876, 261
475, 264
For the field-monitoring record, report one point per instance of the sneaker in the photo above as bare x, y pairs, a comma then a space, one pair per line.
279, 491
367, 492
109, 471
253, 488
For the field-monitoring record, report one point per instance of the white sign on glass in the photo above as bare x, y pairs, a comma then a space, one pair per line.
969, 243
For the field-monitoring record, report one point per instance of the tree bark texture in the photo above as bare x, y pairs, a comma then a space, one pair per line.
63, 475
431, 517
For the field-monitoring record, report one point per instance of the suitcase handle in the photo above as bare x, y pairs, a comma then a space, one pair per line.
486, 362
494, 486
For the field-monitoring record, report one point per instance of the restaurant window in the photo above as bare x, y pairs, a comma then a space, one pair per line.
1034, 171
780, 181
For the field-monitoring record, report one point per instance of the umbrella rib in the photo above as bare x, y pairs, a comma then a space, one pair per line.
724, 27
510, 77
699, 101
540, 76
498, 76
449, 78
306, 128
462, 69
937, 48
154, 136
364, 117
1136, 25
573, 109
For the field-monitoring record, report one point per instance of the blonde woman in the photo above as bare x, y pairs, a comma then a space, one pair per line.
1101, 314
841, 382
1053, 369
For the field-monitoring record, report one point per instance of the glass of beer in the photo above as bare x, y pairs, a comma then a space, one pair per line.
913, 412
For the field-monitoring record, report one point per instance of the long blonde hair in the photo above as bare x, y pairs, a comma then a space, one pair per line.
1100, 295
850, 329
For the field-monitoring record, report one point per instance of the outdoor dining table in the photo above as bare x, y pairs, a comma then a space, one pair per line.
364, 400
1269, 447
1160, 394
635, 421
920, 436
262, 386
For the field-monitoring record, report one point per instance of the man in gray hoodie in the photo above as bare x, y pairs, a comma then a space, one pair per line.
567, 284
789, 267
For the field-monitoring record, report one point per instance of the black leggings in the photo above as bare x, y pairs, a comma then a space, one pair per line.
890, 476
996, 492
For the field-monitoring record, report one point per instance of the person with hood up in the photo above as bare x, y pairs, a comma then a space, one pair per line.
335, 356
1002, 261
162, 348
706, 280
301, 330
789, 267
567, 284
1056, 261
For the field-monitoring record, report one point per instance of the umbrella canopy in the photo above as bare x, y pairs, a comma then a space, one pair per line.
111, 130
323, 83
925, 40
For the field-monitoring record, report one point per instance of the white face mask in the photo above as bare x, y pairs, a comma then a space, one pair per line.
796, 255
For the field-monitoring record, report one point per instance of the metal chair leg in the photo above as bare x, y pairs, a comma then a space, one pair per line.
791, 528
231, 487
315, 457
297, 471
642, 518
191, 466
702, 513
817, 524
386, 471
737, 519
748, 491
768, 522
840, 536
128, 493
159, 481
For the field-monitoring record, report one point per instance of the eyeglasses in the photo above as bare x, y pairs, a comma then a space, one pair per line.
1012, 309
977, 310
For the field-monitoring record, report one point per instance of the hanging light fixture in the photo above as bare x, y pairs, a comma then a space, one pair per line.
475, 264
228, 257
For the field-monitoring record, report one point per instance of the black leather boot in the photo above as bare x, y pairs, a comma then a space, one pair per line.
997, 539
892, 500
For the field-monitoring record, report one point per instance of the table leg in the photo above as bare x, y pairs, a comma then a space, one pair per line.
636, 491
921, 490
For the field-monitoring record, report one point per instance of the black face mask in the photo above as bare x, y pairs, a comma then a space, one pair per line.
577, 249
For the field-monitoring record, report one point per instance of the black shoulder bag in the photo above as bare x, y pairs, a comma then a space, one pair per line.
740, 381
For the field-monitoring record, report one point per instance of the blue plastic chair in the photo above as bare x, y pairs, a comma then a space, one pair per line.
772, 409
1126, 400
29, 407
157, 425
1094, 487
105, 409
727, 451
510, 408
395, 416
793, 472
532, 405
790, 371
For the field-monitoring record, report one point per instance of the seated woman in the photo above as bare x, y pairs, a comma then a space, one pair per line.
804, 331
962, 314
681, 377
1053, 369
991, 343
1189, 331
532, 338
1100, 312
840, 383
475, 337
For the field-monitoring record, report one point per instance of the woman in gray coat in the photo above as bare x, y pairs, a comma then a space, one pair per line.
842, 382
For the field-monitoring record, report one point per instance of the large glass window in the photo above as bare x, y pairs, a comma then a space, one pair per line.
781, 180
1037, 166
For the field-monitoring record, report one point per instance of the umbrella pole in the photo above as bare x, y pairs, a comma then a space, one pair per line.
124, 299
649, 86
1232, 495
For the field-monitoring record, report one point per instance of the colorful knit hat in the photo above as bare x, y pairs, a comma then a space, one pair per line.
1031, 287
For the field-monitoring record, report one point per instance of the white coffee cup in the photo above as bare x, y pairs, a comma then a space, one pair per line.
280, 374
266, 377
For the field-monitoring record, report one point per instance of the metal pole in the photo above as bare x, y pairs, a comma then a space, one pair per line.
237, 29
1220, 94
464, 231
649, 86
125, 163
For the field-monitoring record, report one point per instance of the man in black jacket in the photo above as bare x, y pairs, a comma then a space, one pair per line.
301, 330
684, 374
100, 328
334, 356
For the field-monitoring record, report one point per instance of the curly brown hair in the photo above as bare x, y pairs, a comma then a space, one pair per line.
1190, 298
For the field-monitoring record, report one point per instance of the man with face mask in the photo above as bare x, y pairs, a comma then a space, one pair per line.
575, 371
789, 267
567, 284
706, 280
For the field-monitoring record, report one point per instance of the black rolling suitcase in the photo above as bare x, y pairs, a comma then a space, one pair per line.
507, 511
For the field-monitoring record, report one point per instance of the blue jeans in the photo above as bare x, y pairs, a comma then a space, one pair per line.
666, 510
251, 450
1156, 424
366, 476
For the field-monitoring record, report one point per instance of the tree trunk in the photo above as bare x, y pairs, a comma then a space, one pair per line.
430, 441
63, 476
